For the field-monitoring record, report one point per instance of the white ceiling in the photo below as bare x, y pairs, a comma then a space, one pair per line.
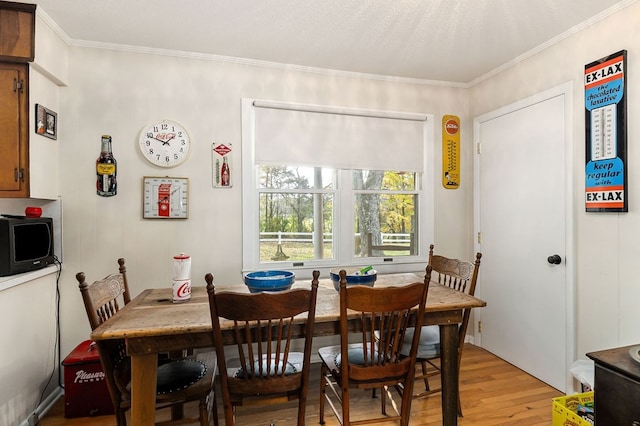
455, 41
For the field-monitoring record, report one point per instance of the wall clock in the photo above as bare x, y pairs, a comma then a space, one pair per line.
165, 198
165, 143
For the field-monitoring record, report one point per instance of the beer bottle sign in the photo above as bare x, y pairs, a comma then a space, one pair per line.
106, 170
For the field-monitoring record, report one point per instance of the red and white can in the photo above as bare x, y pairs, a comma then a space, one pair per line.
181, 278
181, 290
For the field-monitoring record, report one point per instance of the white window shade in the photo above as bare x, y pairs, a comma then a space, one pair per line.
342, 138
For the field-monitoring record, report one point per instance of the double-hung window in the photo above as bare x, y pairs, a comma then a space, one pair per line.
327, 187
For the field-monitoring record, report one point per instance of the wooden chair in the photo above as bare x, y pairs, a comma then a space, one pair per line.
179, 380
266, 370
373, 362
373, 249
458, 275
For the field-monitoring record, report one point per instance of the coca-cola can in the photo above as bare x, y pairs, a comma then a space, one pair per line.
181, 290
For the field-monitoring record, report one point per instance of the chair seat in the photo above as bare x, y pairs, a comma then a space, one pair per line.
294, 365
429, 346
179, 374
354, 353
184, 378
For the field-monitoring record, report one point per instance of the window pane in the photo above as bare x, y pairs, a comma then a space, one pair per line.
296, 226
384, 180
385, 224
288, 177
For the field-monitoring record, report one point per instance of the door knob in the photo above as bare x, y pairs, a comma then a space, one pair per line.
555, 259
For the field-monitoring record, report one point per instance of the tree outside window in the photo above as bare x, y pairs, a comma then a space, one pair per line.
297, 212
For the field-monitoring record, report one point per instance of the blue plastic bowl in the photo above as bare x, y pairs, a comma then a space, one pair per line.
269, 281
369, 279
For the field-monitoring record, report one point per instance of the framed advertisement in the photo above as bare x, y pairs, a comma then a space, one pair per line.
165, 197
46, 122
450, 152
605, 88
222, 155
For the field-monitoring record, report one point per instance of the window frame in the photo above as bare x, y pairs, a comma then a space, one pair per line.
343, 211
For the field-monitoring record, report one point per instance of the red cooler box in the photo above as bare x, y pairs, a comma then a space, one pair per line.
85, 388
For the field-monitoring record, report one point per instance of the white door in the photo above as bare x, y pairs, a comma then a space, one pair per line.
522, 193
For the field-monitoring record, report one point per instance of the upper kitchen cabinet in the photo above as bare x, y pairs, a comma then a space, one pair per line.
14, 101
17, 31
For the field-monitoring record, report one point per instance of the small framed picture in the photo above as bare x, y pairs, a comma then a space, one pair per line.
46, 122
165, 197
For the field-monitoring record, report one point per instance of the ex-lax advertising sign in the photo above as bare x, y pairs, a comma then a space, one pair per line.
605, 103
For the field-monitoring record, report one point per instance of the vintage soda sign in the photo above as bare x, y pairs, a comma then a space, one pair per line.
606, 134
221, 157
450, 152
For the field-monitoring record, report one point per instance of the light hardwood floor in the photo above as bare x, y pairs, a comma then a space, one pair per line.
493, 392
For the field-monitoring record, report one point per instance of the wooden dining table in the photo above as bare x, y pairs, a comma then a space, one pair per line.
151, 323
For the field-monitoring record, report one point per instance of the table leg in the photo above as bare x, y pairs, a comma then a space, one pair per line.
143, 389
449, 373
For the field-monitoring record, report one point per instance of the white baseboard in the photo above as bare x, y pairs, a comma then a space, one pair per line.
43, 408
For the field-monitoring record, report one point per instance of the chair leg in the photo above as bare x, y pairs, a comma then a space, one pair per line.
405, 410
208, 409
323, 391
121, 418
177, 412
230, 415
459, 400
204, 412
214, 410
345, 407
302, 404
424, 375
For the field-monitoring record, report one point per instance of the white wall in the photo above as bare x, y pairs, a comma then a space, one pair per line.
607, 283
29, 364
118, 93
28, 355
98, 91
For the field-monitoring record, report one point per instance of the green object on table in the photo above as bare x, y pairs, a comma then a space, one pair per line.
366, 269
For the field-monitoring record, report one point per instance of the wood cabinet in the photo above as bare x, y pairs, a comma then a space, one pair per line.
17, 49
14, 126
17, 31
616, 387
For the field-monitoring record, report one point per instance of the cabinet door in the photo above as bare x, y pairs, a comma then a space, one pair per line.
13, 130
616, 398
17, 31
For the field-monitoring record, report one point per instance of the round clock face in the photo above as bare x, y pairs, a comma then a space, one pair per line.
165, 143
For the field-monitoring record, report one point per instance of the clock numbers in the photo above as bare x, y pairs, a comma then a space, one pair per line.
165, 144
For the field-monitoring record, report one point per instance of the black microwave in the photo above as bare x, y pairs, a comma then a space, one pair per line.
26, 244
